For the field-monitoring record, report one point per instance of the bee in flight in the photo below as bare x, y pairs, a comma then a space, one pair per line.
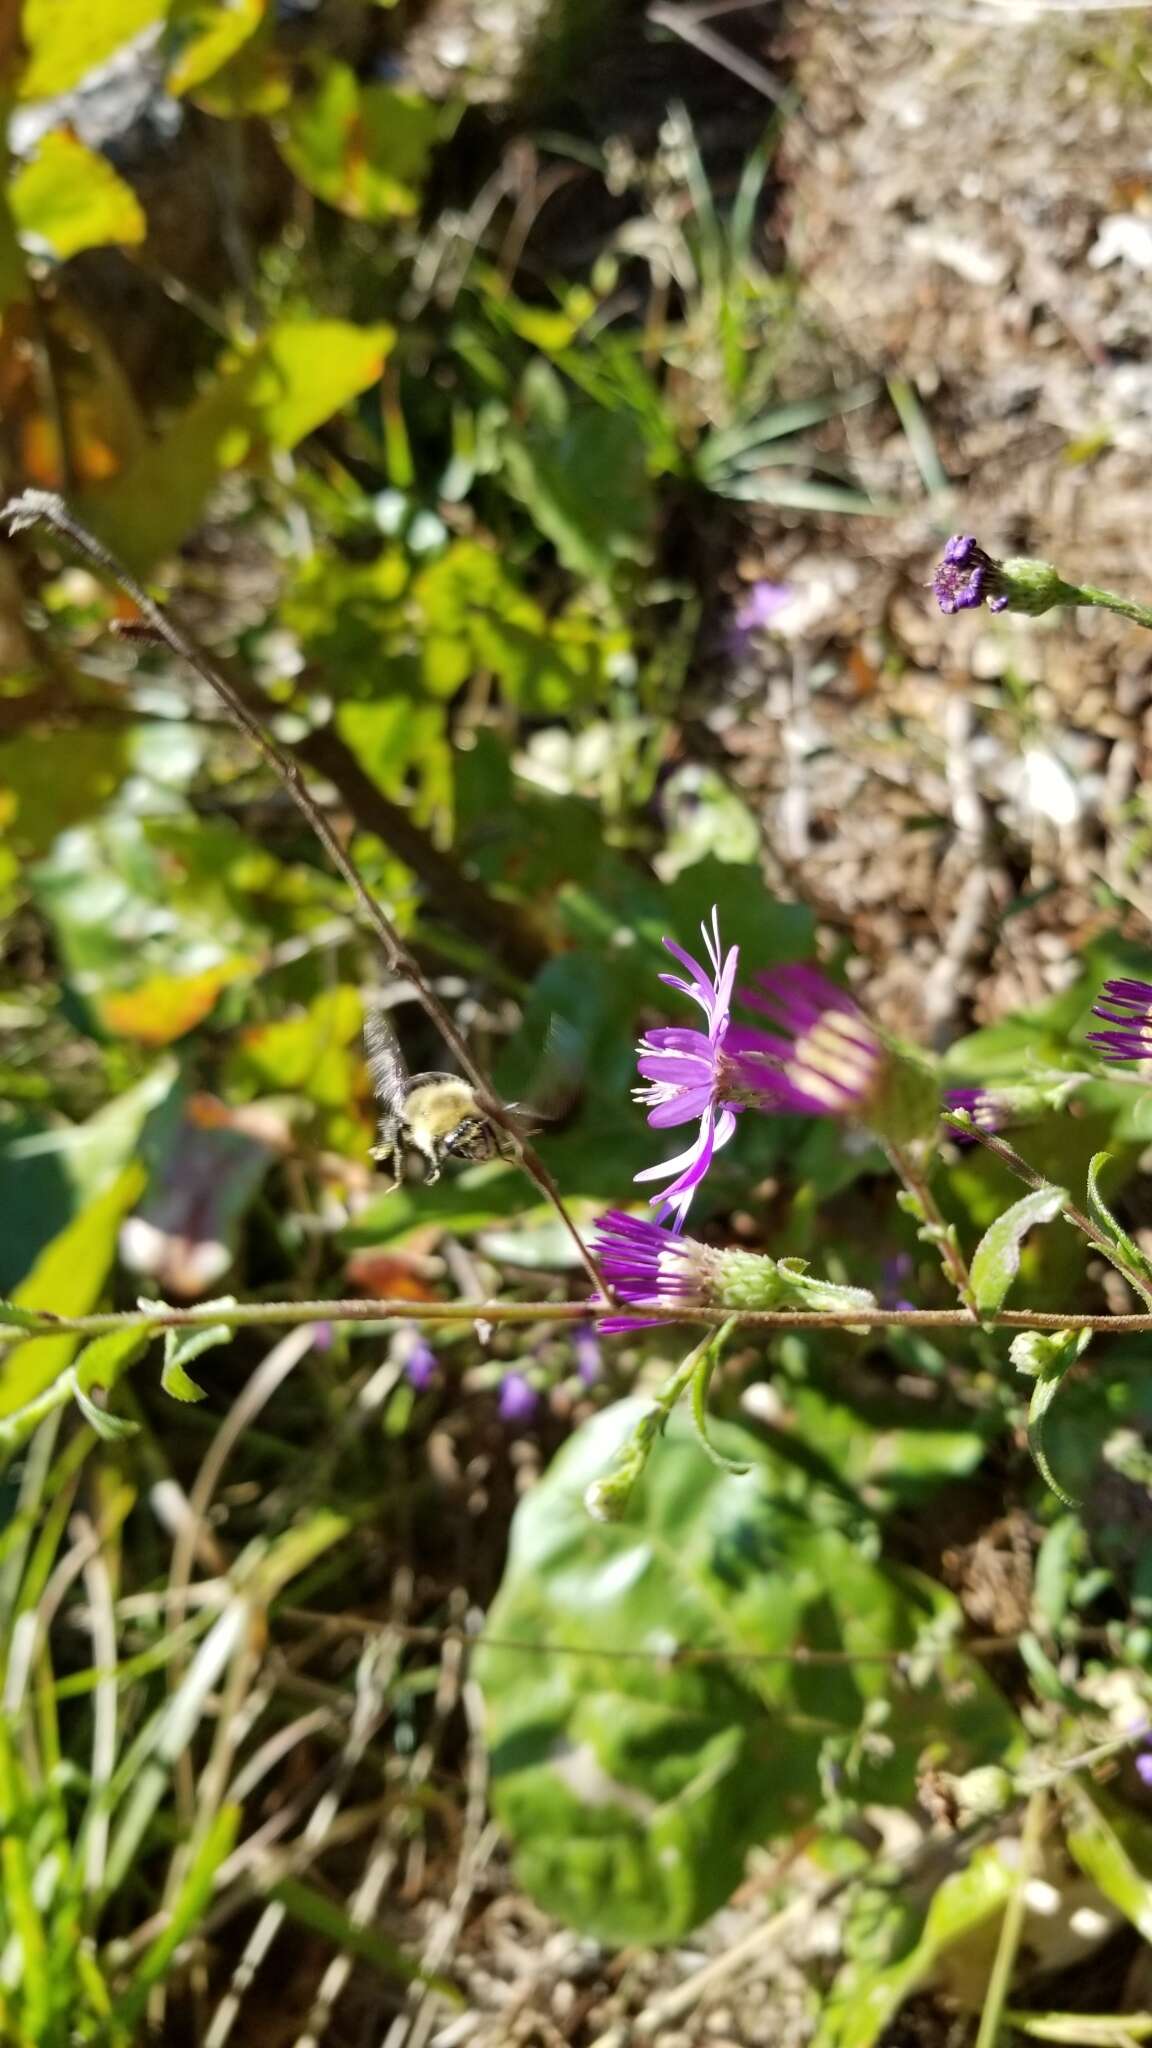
440, 1116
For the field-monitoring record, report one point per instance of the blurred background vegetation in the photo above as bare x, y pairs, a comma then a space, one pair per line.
545, 411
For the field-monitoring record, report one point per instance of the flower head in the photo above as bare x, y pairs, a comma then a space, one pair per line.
1127, 1007
964, 580
519, 1400
643, 1262
650, 1267
686, 1075
420, 1364
822, 1058
967, 578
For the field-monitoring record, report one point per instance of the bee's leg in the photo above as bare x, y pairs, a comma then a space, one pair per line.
431, 1157
389, 1153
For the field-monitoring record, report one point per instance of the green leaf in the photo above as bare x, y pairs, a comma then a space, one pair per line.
362, 148
67, 1278
996, 1261
1100, 1212
204, 35
631, 1780
69, 198
181, 1347
65, 41
866, 1996
268, 397
582, 473
1113, 1847
104, 1359
112, 1428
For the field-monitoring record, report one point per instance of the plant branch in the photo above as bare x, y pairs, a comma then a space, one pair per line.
17, 1324
922, 1203
36, 506
967, 1127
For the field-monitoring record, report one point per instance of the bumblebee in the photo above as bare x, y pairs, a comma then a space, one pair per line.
440, 1116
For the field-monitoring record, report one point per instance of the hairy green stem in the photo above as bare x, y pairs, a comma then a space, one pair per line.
281, 1314
1107, 600
934, 1229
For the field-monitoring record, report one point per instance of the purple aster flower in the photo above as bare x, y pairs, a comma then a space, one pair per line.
643, 1262
420, 1364
586, 1350
761, 603
687, 1074
822, 1058
519, 1400
1144, 1767
1127, 1007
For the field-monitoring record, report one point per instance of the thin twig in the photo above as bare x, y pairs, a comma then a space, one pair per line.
420, 1635
36, 506
919, 1195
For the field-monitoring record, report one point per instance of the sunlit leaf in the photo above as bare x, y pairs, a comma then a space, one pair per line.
166, 1006
180, 1348
110, 1428
996, 1260
203, 35
67, 1278
582, 473
631, 1801
66, 40
867, 1995
69, 198
300, 373
1113, 1846
362, 148
55, 785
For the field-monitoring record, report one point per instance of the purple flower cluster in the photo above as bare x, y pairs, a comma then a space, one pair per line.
967, 578
821, 1058
1126, 1007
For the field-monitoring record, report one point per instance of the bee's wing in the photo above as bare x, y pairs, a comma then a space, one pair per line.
386, 1067
559, 1076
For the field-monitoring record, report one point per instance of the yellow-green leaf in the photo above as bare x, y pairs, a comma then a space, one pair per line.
69, 198
204, 35
362, 148
298, 375
67, 1279
66, 39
